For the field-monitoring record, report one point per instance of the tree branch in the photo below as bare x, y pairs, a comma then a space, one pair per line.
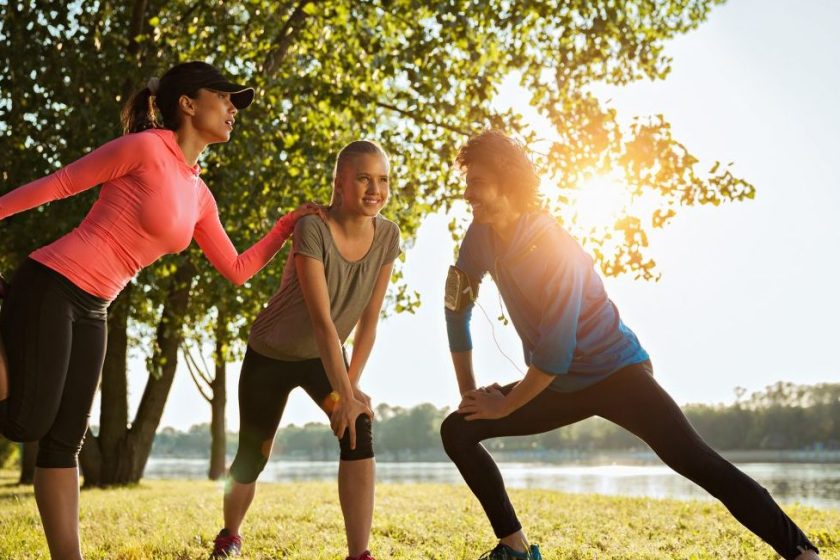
202, 372
283, 40
198, 386
421, 119
190, 9
195, 373
390, 13
205, 368
135, 28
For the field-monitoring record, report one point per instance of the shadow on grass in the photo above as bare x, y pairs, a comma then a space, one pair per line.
14, 491
10, 487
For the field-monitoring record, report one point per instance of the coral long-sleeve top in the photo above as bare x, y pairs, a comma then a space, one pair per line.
151, 203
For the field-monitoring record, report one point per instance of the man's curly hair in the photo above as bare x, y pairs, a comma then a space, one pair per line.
516, 173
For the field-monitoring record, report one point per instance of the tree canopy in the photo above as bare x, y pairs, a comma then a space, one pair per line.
419, 77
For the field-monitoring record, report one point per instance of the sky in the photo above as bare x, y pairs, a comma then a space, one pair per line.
748, 292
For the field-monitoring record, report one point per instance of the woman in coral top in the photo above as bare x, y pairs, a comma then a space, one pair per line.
152, 202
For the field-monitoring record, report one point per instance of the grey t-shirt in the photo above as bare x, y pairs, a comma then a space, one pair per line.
283, 330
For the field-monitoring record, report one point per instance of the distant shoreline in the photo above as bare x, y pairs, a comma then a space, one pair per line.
622, 457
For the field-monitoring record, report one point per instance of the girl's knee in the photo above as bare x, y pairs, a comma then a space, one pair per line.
364, 441
251, 458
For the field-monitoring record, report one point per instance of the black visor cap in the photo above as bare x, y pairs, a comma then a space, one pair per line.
240, 96
196, 75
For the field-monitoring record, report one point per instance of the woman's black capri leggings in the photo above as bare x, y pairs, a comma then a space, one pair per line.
54, 334
264, 388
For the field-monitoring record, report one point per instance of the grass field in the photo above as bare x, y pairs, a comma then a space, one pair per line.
178, 520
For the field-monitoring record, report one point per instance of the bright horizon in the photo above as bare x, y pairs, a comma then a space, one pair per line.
747, 294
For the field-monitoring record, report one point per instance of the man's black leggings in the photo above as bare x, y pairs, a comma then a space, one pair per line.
54, 334
264, 387
632, 399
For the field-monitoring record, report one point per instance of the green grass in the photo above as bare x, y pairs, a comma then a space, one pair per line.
178, 520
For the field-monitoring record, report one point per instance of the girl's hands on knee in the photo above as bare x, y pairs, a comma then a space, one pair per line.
363, 397
344, 416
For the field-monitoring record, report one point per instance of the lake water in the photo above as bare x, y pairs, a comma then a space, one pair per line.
814, 484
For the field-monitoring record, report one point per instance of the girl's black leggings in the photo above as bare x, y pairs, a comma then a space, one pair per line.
632, 399
54, 334
264, 387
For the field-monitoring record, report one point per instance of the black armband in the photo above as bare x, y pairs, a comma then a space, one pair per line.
460, 291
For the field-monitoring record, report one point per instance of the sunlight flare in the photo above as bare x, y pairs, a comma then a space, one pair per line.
600, 200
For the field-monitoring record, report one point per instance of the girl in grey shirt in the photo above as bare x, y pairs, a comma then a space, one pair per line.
334, 281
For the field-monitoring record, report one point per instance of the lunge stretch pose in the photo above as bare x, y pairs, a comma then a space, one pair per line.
334, 280
152, 202
582, 359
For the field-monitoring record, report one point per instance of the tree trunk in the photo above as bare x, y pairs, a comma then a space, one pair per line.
101, 456
28, 453
138, 443
218, 444
119, 454
114, 416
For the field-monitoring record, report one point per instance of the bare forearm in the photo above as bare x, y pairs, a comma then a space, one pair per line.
330, 350
464, 370
534, 383
362, 347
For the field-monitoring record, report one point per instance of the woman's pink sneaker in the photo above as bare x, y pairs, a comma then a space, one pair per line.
226, 545
363, 556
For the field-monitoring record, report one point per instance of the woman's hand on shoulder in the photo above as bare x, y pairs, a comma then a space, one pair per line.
308, 208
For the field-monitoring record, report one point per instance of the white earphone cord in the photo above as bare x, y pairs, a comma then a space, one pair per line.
493, 332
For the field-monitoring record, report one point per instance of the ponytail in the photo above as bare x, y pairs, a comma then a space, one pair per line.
156, 105
138, 113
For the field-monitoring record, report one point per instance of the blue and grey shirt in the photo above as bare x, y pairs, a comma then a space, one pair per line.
555, 298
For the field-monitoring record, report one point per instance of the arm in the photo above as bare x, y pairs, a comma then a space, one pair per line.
555, 347
491, 403
460, 347
219, 250
563, 297
464, 371
117, 158
534, 383
366, 327
462, 287
313, 284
